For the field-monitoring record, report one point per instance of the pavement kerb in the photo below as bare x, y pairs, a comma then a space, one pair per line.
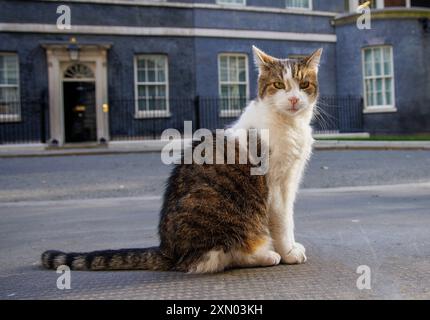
118, 147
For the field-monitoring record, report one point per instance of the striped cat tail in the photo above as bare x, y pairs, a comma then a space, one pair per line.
122, 259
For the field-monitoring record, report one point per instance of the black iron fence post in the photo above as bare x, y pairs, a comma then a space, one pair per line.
361, 108
197, 112
42, 121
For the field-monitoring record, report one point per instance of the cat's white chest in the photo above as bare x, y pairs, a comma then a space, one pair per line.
289, 151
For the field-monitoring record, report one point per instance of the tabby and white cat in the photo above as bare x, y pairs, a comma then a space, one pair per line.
219, 216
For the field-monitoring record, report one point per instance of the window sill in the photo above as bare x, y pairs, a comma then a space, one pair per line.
383, 109
152, 114
234, 5
10, 118
230, 113
298, 9
226, 4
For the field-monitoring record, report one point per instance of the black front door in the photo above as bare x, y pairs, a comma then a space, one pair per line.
79, 111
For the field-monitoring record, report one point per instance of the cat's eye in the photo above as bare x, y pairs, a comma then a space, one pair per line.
304, 85
279, 85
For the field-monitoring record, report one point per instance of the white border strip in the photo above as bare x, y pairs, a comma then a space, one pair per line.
163, 3
176, 32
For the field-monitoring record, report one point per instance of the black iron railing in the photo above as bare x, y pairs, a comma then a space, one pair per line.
336, 114
23, 122
26, 121
333, 114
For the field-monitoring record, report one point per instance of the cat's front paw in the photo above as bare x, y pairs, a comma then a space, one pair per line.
296, 255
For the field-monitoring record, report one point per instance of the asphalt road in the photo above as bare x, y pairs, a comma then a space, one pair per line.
127, 175
385, 228
98, 202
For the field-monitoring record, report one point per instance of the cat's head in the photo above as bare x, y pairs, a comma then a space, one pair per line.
289, 86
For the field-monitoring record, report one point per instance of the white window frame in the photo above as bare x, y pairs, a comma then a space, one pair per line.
228, 3
380, 4
232, 112
309, 8
142, 114
385, 107
13, 117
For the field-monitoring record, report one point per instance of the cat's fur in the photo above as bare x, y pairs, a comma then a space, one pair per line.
220, 216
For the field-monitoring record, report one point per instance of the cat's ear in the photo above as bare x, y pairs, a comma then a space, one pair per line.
261, 59
313, 61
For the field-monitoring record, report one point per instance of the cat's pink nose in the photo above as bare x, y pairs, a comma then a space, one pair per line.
294, 100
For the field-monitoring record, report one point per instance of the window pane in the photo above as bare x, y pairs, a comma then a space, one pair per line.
233, 70
368, 69
242, 90
160, 63
369, 92
224, 91
8, 69
234, 103
151, 91
162, 104
242, 76
234, 90
379, 99
242, 69
11, 108
161, 91
141, 91
2, 76
9, 94
150, 63
223, 74
379, 85
387, 68
388, 83
141, 63
161, 76
9, 101
152, 104
379, 96
387, 61
223, 64
142, 105
141, 76
241, 61
297, 3
151, 75
378, 61
368, 62
224, 103
156, 104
